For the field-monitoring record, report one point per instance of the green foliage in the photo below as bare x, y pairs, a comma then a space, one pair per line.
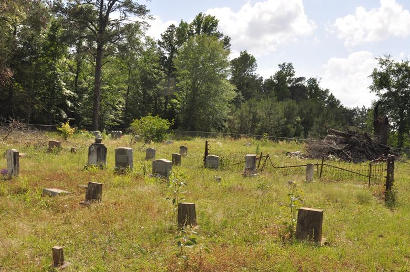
295, 201
66, 130
151, 128
204, 91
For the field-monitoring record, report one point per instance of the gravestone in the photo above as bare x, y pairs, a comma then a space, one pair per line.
212, 162
123, 158
97, 154
186, 214
250, 162
54, 192
162, 168
150, 154
183, 150
309, 224
94, 192
309, 172
13, 163
116, 134
54, 145
176, 159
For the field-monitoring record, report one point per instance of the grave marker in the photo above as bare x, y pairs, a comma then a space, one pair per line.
54, 145
94, 192
183, 150
53, 192
212, 162
97, 154
123, 158
176, 159
309, 172
58, 256
162, 168
309, 224
13, 163
186, 214
150, 154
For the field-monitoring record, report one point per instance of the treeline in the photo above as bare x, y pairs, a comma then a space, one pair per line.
88, 62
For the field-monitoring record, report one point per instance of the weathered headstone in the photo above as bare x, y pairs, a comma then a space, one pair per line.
94, 192
116, 134
54, 192
58, 256
123, 158
309, 172
176, 159
54, 145
162, 168
212, 162
309, 224
97, 154
13, 163
250, 162
150, 154
183, 150
186, 214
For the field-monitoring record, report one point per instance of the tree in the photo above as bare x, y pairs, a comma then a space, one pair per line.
391, 83
248, 84
105, 21
204, 92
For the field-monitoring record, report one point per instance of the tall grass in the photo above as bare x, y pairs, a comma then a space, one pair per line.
241, 219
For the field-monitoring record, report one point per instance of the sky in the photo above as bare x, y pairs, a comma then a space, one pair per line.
332, 40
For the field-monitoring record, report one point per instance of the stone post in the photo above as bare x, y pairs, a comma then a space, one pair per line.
186, 214
309, 172
212, 162
162, 168
176, 159
13, 163
123, 158
183, 150
388, 194
309, 225
150, 154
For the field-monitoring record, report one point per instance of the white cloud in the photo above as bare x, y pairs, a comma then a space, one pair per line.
157, 27
264, 26
348, 78
389, 20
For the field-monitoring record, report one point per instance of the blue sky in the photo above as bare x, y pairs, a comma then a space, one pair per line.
335, 41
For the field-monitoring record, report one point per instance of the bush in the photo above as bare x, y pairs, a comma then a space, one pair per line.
151, 128
66, 130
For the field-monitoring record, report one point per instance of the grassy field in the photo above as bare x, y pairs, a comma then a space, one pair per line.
242, 222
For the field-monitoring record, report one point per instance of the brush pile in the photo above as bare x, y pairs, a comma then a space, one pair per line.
347, 146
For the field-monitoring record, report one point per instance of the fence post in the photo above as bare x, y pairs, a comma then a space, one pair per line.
388, 195
321, 167
206, 151
370, 172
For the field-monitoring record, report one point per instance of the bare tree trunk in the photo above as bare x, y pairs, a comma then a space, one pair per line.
401, 129
98, 67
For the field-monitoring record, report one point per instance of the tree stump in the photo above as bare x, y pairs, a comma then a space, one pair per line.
309, 225
186, 214
58, 256
94, 192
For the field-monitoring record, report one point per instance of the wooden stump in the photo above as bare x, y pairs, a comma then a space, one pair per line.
58, 256
309, 225
94, 192
186, 214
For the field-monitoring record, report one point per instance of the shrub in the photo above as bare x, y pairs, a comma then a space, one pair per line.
151, 128
66, 130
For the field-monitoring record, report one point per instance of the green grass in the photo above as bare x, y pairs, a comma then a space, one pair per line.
241, 220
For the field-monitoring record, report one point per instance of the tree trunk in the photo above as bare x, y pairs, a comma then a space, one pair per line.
97, 85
